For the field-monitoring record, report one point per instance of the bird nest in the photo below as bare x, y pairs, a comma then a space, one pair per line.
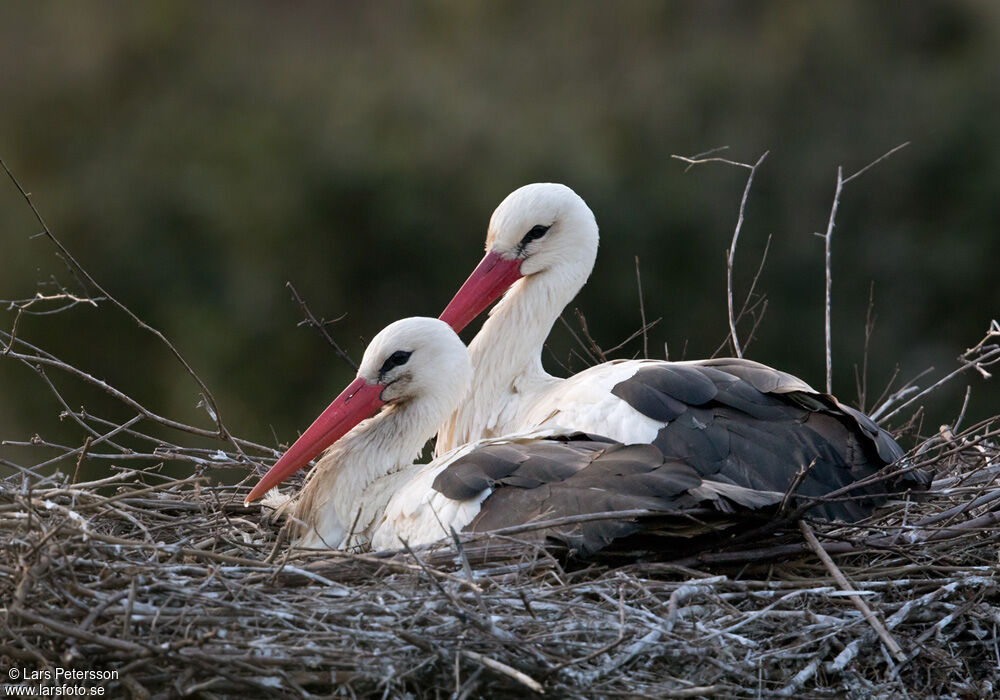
144, 585
164, 587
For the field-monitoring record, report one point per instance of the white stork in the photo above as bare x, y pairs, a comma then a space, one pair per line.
732, 419
366, 491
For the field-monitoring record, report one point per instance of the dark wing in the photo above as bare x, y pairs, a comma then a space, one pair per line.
743, 423
526, 464
549, 479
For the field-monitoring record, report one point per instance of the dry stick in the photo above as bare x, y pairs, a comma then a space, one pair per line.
827, 238
979, 364
642, 310
13, 333
79, 460
642, 331
467, 568
222, 432
829, 278
861, 381
965, 405
87, 444
78, 418
522, 678
127, 400
83, 635
320, 326
763, 299
595, 349
876, 624
22, 306
731, 253
583, 345
793, 487
749, 307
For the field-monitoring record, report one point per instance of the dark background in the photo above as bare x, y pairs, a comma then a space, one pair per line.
196, 156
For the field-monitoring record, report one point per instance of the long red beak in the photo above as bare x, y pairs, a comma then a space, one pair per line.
492, 276
358, 401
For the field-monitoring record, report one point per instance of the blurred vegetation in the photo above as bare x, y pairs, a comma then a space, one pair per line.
196, 156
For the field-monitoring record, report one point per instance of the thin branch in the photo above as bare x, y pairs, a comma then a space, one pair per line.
583, 346
875, 162
594, 349
320, 326
731, 253
859, 603
989, 356
642, 310
222, 432
827, 240
861, 381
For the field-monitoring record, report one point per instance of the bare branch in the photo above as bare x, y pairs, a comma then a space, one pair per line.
222, 431
827, 240
731, 253
642, 310
320, 326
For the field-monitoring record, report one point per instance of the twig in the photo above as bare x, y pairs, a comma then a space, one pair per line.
861, 381
83, 455
794, 485
594, 350
731, 253
642, 310
583, 346
13, 332
961, 413
827, 240
509, 671
845, 585
222, 431
50, 361
977, 362
320, 326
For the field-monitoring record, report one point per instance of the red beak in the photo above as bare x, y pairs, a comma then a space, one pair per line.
358, 401
491, 278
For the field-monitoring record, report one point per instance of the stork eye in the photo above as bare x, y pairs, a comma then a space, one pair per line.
395, 360
534, 234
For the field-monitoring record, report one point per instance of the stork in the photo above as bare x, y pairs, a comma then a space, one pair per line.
366, 491
732, 419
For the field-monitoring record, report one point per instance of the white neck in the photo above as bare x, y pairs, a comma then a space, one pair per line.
507, 354
337, 488
509, 345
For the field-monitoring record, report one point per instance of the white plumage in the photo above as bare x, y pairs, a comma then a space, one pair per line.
365, 491
666, 436
511, 391
343, 502
540, 249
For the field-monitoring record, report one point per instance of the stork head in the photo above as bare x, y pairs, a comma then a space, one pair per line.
418, 360
416, 363
539, 229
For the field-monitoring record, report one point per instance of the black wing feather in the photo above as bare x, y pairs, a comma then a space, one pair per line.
736, 434
596, 476
760, 428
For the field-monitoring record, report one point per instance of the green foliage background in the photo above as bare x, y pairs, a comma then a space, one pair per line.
196, 156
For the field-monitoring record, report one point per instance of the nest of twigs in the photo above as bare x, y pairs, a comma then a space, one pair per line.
180, 590
142, 585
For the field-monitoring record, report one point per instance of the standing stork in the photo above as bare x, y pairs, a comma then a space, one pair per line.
366, 490
731, 419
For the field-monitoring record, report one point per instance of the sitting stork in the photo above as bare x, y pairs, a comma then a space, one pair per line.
733, 420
